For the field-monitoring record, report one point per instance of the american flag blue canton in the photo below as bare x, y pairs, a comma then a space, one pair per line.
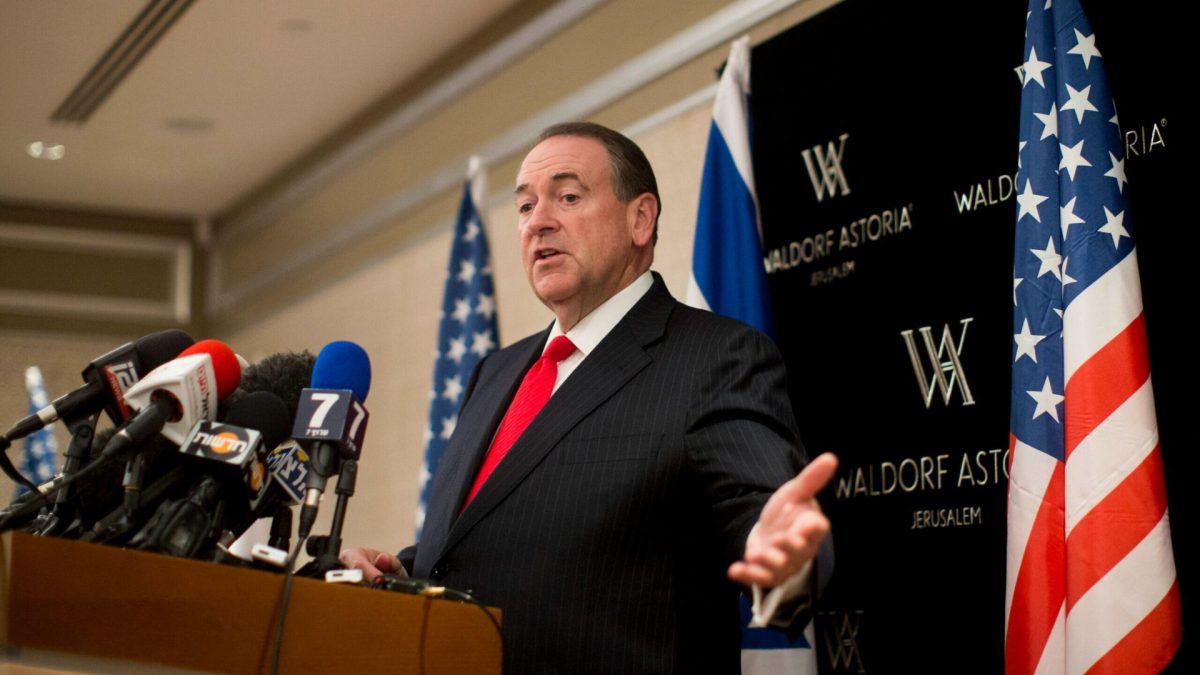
37, 457
467, 333
1072, 222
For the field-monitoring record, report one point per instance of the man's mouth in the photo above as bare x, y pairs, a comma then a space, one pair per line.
543, 253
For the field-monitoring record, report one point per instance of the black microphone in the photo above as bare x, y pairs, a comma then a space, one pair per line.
228, 456
285, 374
106, 379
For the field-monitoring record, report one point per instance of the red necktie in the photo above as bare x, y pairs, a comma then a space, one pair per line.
533, 393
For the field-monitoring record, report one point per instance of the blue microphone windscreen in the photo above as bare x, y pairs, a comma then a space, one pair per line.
343, 365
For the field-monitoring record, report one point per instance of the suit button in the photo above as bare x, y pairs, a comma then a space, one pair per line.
438, 571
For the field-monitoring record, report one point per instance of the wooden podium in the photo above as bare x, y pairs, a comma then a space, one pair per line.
67, 596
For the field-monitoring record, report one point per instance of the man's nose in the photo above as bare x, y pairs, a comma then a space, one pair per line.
542, 218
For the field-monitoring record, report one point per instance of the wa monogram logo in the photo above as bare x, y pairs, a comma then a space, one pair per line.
825, 168
947, 371
840, 636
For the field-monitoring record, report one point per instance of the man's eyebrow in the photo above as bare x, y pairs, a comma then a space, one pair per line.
558, 177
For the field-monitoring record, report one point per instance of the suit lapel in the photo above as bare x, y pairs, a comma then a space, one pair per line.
473, 434
616, 360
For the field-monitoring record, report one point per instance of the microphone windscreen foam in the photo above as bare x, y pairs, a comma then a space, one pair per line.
343, 365
226, 368
265, 412
155, 349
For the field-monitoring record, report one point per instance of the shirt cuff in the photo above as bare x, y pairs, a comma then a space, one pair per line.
766, 604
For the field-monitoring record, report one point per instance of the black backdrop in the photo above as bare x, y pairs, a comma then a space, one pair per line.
908, 115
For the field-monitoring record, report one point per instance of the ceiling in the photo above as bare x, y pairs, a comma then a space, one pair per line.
231, 94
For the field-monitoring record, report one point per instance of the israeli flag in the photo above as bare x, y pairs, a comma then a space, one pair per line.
729, 278
728, 275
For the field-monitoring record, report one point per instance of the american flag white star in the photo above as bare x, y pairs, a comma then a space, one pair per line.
466, 271
1051, 260
1047, 401
1067, 217
1072, 158
462, 310
1029, 201
448, 424
1085, 47
485, 306
482, 343
1077, 101
1114, 225
1117, 172
458, 348
1034, 67
472, 231
1067, 279
452, 388
1049, 122
1027, 343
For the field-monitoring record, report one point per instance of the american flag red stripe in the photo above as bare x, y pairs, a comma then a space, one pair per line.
1105, 381
1091, 581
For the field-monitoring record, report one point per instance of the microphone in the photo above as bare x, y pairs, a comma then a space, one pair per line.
106, 381
177, 394
285, 375
228, 457
331, 422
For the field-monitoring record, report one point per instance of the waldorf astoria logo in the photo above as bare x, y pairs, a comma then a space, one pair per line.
946, 372
840, 636
825, 168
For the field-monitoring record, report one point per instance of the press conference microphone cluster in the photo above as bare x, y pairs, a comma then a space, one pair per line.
169, 399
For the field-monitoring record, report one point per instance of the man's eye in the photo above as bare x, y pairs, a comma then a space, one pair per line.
524, 208
570, 198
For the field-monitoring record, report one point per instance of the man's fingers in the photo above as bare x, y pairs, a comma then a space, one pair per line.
372, 563
747, 574
813, 478
388, 563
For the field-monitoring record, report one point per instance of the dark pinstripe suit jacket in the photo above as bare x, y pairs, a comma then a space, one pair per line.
605, 533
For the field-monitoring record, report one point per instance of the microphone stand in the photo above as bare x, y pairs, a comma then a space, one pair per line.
64, 518
325, 549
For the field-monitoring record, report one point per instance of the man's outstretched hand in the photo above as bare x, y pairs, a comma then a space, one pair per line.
789, 530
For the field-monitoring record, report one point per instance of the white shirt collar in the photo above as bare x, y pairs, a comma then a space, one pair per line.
594, 327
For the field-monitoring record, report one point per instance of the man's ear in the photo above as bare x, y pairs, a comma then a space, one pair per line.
643, 213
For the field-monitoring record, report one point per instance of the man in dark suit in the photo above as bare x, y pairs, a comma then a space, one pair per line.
618, 527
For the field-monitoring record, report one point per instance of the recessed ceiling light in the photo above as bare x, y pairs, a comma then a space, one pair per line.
48, 151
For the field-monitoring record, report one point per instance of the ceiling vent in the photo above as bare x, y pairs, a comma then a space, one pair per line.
155, 19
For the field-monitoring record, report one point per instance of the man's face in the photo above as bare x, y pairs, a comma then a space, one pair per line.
579, 243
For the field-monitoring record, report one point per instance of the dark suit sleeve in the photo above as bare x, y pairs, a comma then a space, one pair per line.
741, 437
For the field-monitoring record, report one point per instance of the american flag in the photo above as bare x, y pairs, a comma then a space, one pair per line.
1091, 576
467, 332
37, 458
